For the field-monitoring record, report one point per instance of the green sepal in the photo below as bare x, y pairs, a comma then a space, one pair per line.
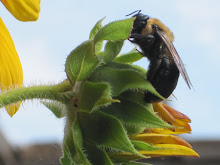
128, 57
94, 95
137, 97
133, 130
77, 134
96, 155
64, 160
115, 31
134, 163
121, 80
119, 65
73, 145
81, 62
105, 131
133, 113
58, 108
112, 49
80, 157
95, 29
142, 146
68, 149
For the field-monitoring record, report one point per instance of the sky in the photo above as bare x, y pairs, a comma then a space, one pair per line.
44, 45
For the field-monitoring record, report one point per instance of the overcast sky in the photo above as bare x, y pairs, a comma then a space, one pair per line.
44, 45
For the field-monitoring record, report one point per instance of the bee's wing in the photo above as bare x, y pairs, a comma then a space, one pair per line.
175, 56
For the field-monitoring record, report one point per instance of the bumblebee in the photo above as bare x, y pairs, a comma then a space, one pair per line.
155, 41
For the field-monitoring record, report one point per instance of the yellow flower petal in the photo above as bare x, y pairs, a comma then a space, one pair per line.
163, 150
170, 150
169, 114
23, 10
168, 130
152, 138
163, 113
176, 114
11, 75
173, 117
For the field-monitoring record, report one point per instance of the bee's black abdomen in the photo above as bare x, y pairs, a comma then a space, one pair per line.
164, 80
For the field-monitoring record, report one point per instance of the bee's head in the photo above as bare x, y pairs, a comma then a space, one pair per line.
139, 23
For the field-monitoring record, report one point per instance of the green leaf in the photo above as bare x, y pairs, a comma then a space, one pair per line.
94, 95
121, 80
96, 155
115, 31
81, 62
95, 29
56, 107
112, 49
128, 57
143, 146
133, 113
105, 131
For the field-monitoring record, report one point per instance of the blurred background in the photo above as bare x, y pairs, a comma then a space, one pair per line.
44, 45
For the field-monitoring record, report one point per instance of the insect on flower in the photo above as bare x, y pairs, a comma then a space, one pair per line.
155, 40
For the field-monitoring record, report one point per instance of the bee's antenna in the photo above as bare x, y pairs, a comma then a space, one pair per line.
137, 11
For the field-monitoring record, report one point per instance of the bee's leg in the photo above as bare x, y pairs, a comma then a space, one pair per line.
144, 42
148, 39
140, 52
131, 40
153, 69
155, 56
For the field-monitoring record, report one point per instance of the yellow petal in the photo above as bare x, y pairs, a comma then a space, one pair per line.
152, 138
182, 126
179, 128
23, 10
11, 75
169, 114
163, 150
167, 131
170, 150
173, 117
163, 113
176, 114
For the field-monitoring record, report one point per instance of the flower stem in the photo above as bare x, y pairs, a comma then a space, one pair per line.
58, 92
